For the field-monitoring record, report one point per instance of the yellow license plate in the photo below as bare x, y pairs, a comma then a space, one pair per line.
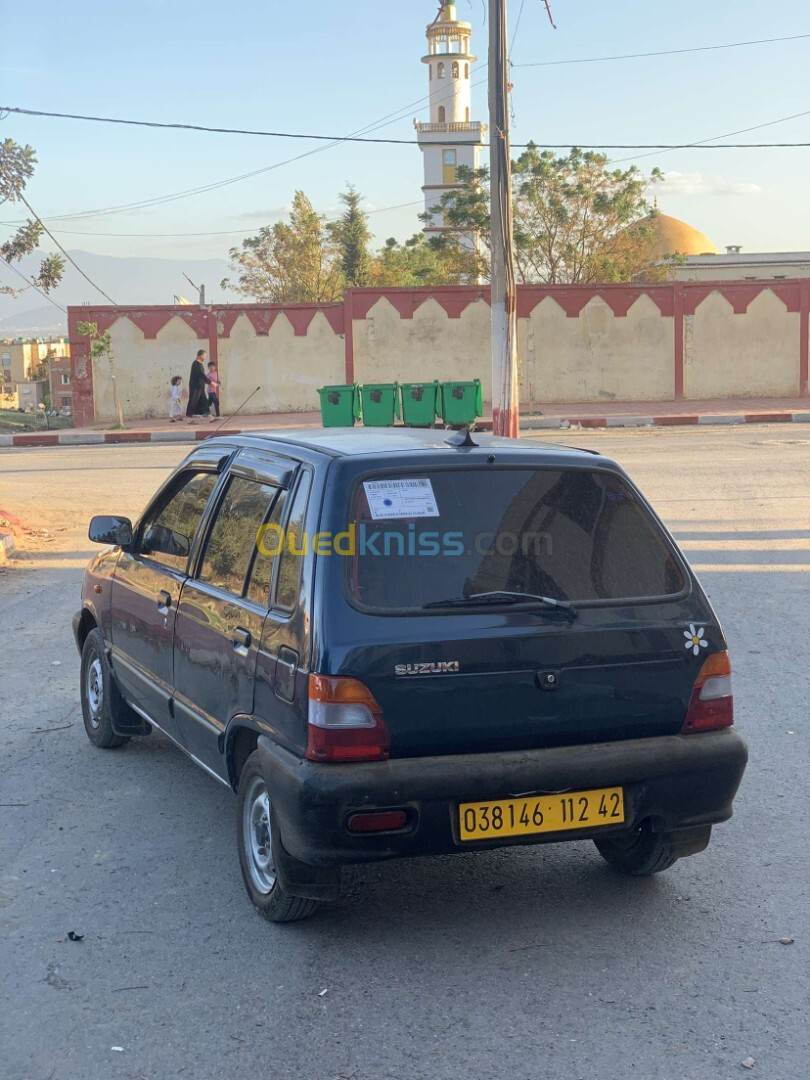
541, 814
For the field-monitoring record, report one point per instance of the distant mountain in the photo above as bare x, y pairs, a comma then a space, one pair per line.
129, 280
36, 322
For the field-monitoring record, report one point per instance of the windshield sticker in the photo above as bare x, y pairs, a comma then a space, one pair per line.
390, 499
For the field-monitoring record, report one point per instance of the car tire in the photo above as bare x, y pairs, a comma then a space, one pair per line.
102, 703
640, 853
256, 861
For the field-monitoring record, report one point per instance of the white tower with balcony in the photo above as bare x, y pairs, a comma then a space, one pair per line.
450, 138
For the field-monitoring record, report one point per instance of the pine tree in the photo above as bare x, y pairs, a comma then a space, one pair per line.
352, 235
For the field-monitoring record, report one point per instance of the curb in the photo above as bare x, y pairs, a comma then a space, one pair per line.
684, 420
109, 438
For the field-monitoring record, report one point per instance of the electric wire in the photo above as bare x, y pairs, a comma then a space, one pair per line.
31, 285
662, 52
69, 257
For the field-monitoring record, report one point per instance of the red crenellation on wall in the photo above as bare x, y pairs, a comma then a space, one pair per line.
213, 325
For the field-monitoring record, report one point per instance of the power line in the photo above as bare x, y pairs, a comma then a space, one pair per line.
336, 139
224, 232
69, 258
663, 52
31, 285
517, 27
701, 144
201, 127
375, 125
384, 121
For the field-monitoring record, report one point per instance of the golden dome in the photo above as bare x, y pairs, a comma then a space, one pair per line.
448, 13
674, 237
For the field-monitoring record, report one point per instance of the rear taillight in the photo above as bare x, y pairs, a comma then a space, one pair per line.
345, 723
712, 703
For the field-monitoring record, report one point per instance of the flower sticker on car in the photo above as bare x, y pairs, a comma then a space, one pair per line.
695, 639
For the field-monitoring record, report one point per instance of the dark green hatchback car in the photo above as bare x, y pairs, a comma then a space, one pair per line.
395, 643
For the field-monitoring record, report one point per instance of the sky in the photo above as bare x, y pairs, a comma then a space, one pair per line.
332, 68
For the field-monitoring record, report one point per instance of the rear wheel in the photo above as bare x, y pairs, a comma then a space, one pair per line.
256, 859
101, 699
640, 853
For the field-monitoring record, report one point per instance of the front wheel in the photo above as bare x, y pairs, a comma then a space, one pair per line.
101, 698
256, 860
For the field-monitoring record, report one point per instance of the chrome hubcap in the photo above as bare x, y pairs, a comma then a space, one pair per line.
258, 837
95, 692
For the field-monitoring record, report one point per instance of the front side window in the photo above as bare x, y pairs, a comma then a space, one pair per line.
168, 534
569, 534
234, 534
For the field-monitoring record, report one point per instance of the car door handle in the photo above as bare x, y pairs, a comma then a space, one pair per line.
164, 599
286, 671
241, 638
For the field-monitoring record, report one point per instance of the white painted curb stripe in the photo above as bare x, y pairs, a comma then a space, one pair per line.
629, 421
6, 546
79, 438
173, 436
722, 418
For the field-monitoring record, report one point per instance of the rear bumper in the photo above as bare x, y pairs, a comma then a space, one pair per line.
677, 782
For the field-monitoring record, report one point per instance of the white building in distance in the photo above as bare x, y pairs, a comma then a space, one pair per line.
450, 139
703, 261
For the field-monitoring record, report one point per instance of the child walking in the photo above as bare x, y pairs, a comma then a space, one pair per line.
175, 403
214, 386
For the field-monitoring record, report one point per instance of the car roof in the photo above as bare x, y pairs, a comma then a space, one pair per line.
367, 442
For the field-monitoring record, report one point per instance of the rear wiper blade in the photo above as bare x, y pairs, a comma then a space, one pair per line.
503, 597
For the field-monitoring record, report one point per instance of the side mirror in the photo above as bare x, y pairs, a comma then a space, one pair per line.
111, 530
165, 542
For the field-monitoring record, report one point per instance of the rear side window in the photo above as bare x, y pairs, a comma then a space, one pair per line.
567, 534
295, 546
261, 573
234, 534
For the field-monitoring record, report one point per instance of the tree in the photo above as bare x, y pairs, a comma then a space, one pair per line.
413, 263
352, 235
101, 347
42, 373
296, 261
16, 169
576, 220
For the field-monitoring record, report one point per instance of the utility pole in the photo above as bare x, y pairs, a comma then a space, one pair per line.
200, 289
504, 292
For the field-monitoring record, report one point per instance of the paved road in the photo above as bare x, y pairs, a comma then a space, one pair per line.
527, 964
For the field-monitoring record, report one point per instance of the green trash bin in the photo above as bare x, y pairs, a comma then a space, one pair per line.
460, 402
420, 402
340, 405
380, 404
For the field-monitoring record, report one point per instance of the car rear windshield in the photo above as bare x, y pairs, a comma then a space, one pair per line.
568, 534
